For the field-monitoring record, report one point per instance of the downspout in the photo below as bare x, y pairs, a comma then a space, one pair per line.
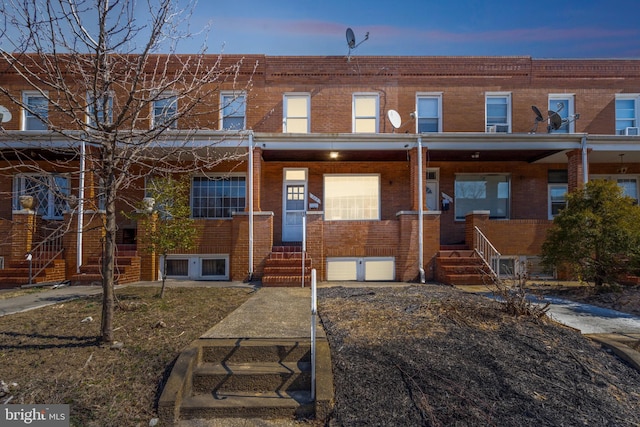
79, 238
585, 161
250, 205
420, 215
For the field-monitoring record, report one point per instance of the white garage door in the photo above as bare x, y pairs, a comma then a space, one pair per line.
361, 269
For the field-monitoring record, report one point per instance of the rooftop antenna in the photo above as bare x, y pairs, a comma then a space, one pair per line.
351, 41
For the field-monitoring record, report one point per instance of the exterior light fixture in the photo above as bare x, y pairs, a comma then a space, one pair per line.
333, 155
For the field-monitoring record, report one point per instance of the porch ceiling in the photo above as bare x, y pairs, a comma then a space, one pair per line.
402, 155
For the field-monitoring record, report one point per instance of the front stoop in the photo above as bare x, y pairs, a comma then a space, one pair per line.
17, 274
460, 267
283, 267
247, 378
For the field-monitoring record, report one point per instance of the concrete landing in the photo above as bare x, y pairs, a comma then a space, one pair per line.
270, 313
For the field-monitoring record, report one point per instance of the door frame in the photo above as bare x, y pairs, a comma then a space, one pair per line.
294, 181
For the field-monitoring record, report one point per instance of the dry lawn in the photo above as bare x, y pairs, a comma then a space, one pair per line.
53, 356
422, 355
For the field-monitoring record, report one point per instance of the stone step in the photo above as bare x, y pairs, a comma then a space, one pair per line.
251, 377
248, 405
462, 253
256, 350
275, 270
464, 269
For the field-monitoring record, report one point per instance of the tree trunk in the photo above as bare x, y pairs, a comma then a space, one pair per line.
108, 262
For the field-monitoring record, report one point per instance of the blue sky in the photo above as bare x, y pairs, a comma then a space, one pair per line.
541, 29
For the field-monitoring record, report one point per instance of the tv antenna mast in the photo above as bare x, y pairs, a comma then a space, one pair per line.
351, 41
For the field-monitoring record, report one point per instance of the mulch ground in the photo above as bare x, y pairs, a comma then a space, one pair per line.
435, 356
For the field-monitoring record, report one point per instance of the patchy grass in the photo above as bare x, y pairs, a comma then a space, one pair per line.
54, 357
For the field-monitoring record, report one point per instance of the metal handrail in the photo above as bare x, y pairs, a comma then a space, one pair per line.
44, 252
489, 254
314, 313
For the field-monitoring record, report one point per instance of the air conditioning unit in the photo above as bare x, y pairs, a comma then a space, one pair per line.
632, 131
502, 128
491, 129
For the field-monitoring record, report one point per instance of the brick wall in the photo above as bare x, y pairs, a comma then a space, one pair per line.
510, 237
262, 244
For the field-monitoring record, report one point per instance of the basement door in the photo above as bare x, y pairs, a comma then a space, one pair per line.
294, 202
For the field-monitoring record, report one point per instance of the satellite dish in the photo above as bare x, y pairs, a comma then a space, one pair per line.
555, 121
5, 114
539, 117
351, 41
394, 118
351, 38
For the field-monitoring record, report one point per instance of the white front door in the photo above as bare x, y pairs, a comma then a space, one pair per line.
294, 195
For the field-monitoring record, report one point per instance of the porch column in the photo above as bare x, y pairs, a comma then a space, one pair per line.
257, 174
576, 169
25, 223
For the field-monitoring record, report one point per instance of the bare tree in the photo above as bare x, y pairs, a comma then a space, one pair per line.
111, 100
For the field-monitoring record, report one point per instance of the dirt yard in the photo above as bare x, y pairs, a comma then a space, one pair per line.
435, 356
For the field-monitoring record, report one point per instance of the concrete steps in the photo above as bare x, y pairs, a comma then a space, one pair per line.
240, 378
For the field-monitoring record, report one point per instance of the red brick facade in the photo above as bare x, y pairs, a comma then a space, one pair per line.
525, 160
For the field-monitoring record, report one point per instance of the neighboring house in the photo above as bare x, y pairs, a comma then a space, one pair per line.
325, 162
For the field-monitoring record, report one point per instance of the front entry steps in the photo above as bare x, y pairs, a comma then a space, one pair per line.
460, 267
283, 267
244, 378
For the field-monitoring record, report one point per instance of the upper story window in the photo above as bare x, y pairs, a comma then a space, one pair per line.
217, 196
296, 113
50, 192
165, 110
429, 112
563, 104
365, 113
498, 112
99, 109
233, 109
35, 112
627, 114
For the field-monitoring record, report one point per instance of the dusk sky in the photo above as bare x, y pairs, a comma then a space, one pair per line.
541, 29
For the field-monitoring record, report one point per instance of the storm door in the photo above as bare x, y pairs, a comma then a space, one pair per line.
294, 195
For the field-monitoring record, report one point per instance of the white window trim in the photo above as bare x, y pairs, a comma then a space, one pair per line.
507, 95
628, 96
88, 115
285, 114
571, 98
235, 94
25, 96
351, 175
18, 191
437, 95
218, 176
615, 177
353, 109
549, 187
161, 97
510, 195
195, 266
